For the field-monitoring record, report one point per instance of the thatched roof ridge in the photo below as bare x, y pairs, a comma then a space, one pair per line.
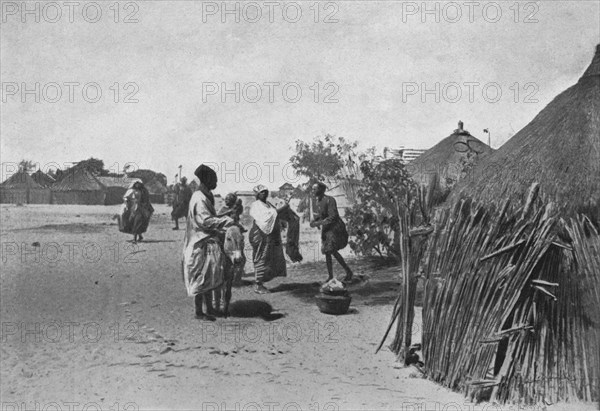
594, 67
445, 158
78, 179
559, 149
20, 180
123, 182
43, 179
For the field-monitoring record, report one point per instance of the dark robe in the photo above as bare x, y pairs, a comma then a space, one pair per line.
334, 235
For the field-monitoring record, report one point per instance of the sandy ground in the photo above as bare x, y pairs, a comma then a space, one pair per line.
91, 321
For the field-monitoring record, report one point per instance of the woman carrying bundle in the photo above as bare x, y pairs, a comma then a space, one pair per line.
265, 237
137, 210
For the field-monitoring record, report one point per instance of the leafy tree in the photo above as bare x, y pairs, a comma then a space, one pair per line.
148, 175
323, 158
373, 221
316, 160
26, 165
93, 165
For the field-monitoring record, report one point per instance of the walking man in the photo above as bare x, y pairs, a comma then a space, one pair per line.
181, 202
334, 236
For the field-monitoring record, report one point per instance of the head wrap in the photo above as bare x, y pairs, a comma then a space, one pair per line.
259, 188
205, 174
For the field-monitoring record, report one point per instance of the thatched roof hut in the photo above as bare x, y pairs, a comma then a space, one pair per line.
559, 149
20, 180
78, 186
511, 270
21, 188
157, 191
449, 160
43, 179
116, 187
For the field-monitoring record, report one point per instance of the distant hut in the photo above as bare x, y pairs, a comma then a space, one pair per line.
78, 186
559, 149
158, 191
285, 190
343, 190
43, 179
21, 188
448, 161
116, 188
512, 274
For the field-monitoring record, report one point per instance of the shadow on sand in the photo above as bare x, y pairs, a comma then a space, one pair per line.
253, 308
363, 290
304, 291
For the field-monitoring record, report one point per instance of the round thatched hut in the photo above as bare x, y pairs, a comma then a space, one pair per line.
157, 191
21, 188
78, 186
559, 149
518, 288
448, 161
43, 179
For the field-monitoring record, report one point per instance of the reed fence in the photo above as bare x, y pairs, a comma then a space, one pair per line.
511, 304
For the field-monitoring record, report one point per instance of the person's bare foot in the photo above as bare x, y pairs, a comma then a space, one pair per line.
261, 289
348, 278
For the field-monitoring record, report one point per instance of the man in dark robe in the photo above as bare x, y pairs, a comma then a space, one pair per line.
181, 203
334, 235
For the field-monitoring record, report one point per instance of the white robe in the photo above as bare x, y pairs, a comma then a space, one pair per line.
264, 215
203, 258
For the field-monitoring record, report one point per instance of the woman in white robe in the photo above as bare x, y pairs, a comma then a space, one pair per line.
265, 237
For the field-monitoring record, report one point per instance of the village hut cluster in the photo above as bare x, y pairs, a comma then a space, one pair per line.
505, 243
76, 186
21, 188
510, 259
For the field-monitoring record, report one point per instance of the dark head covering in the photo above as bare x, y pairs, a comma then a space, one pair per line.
205, 174
321, 185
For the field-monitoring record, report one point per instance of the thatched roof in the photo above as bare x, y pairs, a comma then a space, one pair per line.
78, 179
559, 149
123, 182
43, 179
20, 180
156, 187
446, 161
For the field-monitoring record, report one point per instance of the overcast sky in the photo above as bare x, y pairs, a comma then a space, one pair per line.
372, 60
